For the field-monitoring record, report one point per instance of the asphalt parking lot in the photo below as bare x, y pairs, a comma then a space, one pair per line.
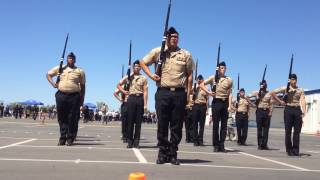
28, 150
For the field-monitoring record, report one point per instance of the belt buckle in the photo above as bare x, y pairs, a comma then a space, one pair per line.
137, 94
172, 89
223, 99
243, 113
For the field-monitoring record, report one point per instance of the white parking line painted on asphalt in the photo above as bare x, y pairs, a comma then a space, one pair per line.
77, 161
18, 143
139, 155
70, 161
126, 149
130, 162
316, 152
12, 138
27, 123
73, 147
50, 139
274, 161
250, 168
199, 152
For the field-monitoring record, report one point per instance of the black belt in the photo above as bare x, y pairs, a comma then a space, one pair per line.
173, 89
293, 106
68, 93
244, 113
221, 99
200, 104
264, 109
136, 95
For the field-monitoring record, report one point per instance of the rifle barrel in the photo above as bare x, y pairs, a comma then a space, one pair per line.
62, 58
217, 77
163, 44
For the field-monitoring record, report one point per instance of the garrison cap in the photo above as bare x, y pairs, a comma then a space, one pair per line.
136, 62
263, 82
72, 56
200, 77
293, 76
172, 30
222, 64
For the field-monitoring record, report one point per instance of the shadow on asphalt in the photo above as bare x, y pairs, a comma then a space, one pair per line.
86, 137
87, 144
149, 147
88, 140
193, 161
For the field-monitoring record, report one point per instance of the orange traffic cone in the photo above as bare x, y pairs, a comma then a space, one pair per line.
137, 176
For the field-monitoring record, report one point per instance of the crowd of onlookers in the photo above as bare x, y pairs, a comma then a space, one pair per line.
104, 116
35, 112
19, 111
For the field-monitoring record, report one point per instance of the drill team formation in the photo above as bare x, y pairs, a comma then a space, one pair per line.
182, 96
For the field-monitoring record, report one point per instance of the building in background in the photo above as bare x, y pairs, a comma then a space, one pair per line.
311, 121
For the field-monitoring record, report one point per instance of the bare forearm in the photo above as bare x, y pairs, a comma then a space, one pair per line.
145, 98
230, 100
190, 80
146, 69
203, 87
303, 105
119, 86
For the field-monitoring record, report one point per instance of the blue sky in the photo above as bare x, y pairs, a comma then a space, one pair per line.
252, 33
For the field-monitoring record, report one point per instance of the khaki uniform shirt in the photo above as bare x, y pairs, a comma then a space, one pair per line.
70, 78
201, 96
137, 84
294, 95
223, 88
175, 67
265, 102
243, 105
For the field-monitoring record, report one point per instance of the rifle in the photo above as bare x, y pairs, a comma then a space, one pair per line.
285, 96
195, 84
261, 86
162, 56
128, 83
217, 75
238, 94
122, 71
62, 59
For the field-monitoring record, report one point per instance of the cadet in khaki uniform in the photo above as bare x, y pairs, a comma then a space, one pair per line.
242, 116
188, 121
136, 104
263, 115
221, 105
199, 111
293, 114
69, 98
124, 114
171, 96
